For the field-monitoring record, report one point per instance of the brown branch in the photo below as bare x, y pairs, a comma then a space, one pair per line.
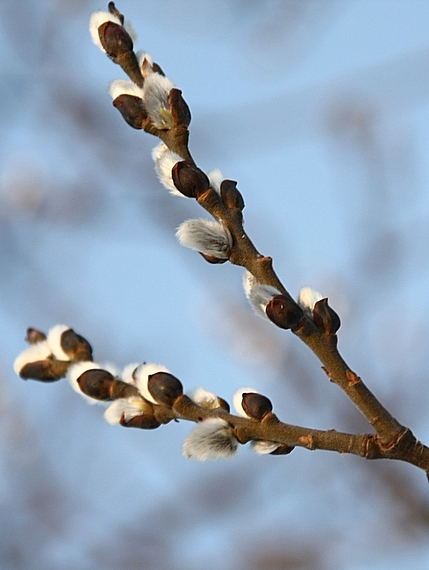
101, 385
391, 441
369, 446
324, 346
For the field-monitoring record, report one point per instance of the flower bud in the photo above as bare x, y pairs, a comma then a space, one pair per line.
165, 159
325, 318
54, 341
212, 259
98, 19
35, 362
237, 400
258, 294
224, 404
189, 179
96, 383
126, 408
75, 346
211, 238
156, 92
34, 336
213, 438
207, 399
256, 406
164, 388
283, 450
132, 110
131, 412
307, 298
143, 421
263, 447
127, 374
39, 370
231, 197
180, 113
284, 312
141, 376
216, 177
66, 345
114, 39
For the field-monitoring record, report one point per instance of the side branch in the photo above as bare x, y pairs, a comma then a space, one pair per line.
148, 396
369, 446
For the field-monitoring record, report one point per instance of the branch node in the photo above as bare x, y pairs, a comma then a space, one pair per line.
352, 378
307, 441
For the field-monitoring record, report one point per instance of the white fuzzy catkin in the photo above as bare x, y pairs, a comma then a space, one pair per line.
110, 368
54, 341
206, 236
164, 160
141, 376
262, 447
237, 399
156, 88
127, 373
307, 298
97, 19
216, 178
204, 398
35, 352
213, 438
124, 87
258, 294
77, 370
128, 407
145, 62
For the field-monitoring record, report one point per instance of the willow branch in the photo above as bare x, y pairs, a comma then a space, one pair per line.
172, 405
153, 104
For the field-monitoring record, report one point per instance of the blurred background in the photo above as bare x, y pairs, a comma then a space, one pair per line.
320, 110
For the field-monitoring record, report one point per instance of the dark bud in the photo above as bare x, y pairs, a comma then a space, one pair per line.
283, 450
115, 39
39, 370
164, 388
180, 113
223, 404
157, 69
189, 179
97, 384
144, 421
132, 110
212, 258
231, 197
113, 10
75, 346
34, 336
118, 45
284, 312
325, 318
256, 406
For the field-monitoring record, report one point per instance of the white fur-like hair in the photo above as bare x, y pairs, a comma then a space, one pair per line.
213, 438
206, 236
258, 294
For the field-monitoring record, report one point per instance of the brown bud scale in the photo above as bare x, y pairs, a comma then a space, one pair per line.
284, 312
256, 406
